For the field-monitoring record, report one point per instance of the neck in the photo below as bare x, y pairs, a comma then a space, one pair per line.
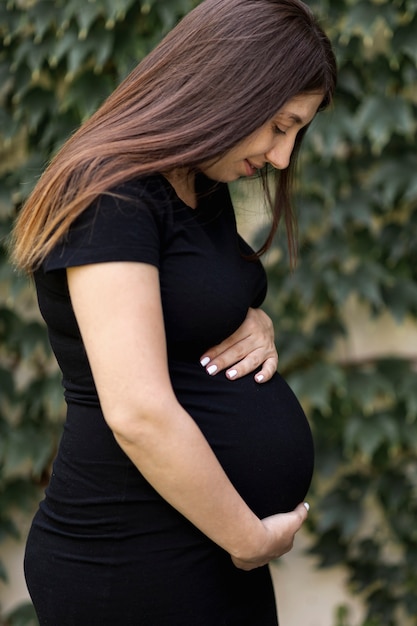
183, 182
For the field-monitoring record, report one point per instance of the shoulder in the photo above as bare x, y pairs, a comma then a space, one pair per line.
126, 223
132, 197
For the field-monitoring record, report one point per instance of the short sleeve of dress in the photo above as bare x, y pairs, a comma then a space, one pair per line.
127, 224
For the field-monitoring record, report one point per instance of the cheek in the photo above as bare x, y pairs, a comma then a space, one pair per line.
263, 143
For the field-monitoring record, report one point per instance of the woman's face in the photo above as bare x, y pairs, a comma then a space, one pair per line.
271, 144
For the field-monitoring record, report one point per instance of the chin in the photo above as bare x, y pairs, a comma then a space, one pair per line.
221, 178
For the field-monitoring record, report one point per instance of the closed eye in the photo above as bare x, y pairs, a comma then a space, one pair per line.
278, 130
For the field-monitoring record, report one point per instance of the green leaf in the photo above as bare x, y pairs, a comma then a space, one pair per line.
367, 434
401, 298
39, 103
86, 15
42, 17
28, 444
404, 40
117, 9
3, 573
379, 117
407, 390
394, 178
341, 507
368, 387
7, 386
316, 383
8, 528
67, 41
23, 615
18, 493
87, 92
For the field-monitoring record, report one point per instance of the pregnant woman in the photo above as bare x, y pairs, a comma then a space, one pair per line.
174, 484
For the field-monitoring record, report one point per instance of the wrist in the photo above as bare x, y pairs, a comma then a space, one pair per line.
253, 543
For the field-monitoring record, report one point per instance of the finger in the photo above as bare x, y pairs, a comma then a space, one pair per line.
269, 368
247, 566
243, 365
302, 512
292, 520
256, 331
229, 351
250, 347
251, 363
257, 359
233, 357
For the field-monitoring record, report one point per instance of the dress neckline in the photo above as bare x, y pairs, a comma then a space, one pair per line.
203, 188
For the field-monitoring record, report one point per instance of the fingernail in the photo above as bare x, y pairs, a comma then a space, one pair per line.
259, 378
205, 361
231, 373
307, 506
212, 369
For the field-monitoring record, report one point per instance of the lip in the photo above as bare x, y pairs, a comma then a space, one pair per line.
251, 169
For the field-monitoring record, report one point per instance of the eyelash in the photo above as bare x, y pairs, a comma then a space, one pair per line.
278, 130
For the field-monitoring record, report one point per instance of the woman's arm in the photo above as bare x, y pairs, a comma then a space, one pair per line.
119, 313
251, 346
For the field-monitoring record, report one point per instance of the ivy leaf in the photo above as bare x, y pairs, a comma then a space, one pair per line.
394, 179
367, 434
67, 41
3, 572
401, 298
407, 390
86, 15
42, 103
379, 117
356, 207
7, 386
404, 39
87, 92
367, 387
19, 493
341, 507
369, 280
316, 383
23, 615
27, 443
117, 9
8, 528
42, 18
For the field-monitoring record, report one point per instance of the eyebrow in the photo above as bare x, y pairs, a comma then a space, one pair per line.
296, 118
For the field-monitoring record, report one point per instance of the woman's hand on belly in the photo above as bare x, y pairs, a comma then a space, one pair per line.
249, 347
280, 532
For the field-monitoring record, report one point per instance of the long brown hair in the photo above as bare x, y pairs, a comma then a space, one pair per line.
225, 70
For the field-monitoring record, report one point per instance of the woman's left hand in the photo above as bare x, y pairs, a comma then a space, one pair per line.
251, 346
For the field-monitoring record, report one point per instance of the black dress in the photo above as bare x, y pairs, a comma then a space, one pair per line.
104, 548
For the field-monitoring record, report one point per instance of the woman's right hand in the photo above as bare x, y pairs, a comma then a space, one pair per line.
280, 531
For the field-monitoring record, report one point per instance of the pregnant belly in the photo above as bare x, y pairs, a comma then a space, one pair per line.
259, 433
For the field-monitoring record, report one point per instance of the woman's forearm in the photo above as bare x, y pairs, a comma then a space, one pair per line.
169, 449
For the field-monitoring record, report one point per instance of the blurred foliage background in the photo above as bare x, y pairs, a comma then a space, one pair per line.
59, 59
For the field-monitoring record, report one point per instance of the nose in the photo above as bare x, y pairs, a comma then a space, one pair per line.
280, 154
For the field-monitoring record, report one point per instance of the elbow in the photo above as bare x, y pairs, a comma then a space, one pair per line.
134, 424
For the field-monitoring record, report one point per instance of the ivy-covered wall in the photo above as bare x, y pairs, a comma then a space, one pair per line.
358, 241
